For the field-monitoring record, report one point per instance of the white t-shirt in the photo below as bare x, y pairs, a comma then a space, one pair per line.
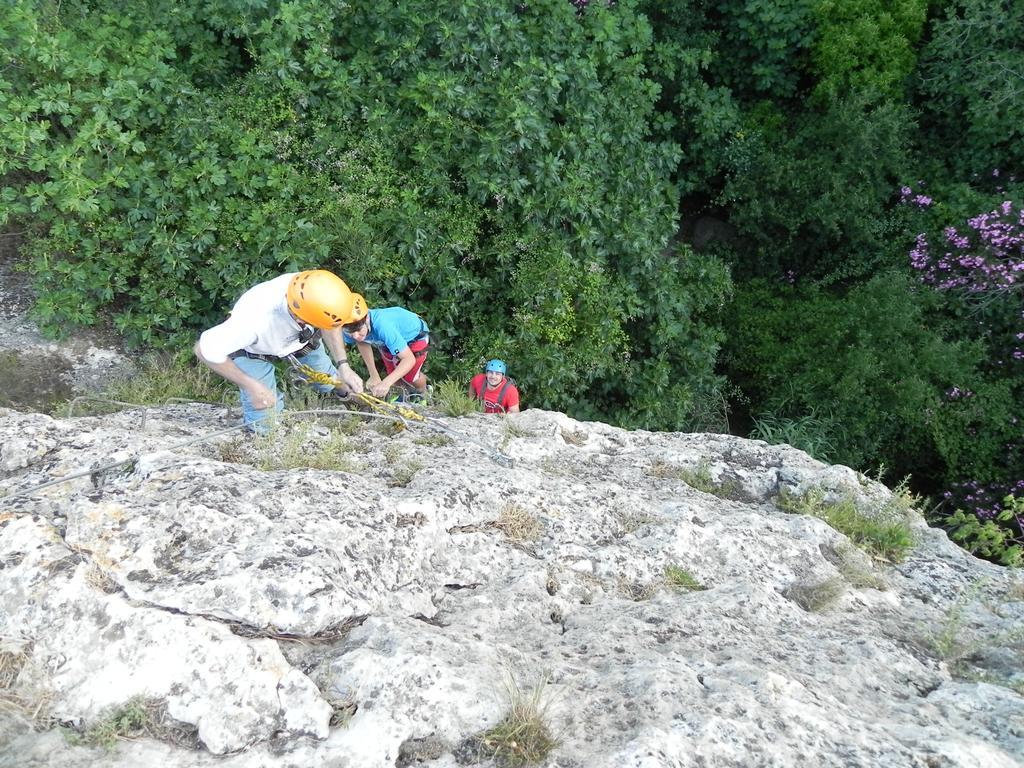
259, 322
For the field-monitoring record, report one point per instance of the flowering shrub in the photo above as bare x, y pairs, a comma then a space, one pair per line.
985, 258
978, 267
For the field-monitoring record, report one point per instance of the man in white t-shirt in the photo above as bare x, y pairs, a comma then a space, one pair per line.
272, 320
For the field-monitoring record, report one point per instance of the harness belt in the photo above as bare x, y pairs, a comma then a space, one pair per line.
311, 345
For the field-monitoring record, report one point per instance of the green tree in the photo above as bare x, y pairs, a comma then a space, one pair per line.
871, 365
970, 86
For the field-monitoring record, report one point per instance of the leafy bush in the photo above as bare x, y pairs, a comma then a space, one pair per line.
998, 537
866, 45
808, 192
495, 171
874, 353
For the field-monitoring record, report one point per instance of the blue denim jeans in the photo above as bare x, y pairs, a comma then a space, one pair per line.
260, 420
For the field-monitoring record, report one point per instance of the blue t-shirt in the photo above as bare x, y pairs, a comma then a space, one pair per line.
392, 328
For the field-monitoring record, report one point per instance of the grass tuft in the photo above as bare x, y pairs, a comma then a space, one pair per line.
27, 703
682, 579
698, 477
164, 377
293, 447
886, 540
452, 399
137, 718
816, 596
523, 736
518, 524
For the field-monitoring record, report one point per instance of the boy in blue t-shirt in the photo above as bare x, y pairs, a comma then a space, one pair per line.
402, 338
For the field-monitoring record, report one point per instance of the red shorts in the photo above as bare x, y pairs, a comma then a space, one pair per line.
418, 348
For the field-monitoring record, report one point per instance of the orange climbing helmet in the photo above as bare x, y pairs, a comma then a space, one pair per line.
322, 299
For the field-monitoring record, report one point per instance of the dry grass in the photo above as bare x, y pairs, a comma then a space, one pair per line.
19, 699
518, 524
816, 596
855, 566
638, 591
574, 437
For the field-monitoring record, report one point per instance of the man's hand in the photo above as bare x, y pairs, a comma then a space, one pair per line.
260, 396
351, 378
379, 388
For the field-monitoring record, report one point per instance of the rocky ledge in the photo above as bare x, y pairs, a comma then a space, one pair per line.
650, 599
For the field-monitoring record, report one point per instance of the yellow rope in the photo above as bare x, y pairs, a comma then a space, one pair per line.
316, 377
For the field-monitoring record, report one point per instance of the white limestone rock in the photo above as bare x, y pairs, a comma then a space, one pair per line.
406, 602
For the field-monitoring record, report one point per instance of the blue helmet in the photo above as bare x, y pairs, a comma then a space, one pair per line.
497, 366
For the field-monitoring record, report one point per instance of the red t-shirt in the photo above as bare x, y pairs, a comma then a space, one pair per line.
506, 390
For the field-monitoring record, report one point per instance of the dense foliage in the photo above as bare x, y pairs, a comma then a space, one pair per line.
579, 187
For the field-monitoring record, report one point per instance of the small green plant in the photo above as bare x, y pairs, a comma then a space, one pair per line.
902, 502
162, 378
452, 399
403, 473
518, 524
136, 718
523, 737
129, 721
961, 647
886, 540
698, 477
681, 579
292, 447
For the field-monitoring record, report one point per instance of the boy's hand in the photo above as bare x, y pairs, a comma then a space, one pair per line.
379, 388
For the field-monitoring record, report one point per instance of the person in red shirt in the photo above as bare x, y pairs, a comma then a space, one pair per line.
494, 389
